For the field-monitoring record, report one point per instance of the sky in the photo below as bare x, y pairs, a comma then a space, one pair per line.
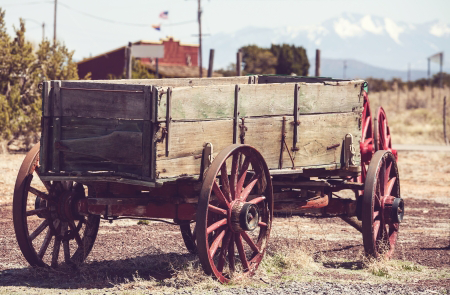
91, 27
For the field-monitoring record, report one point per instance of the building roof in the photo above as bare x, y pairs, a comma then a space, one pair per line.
160, 42
176, 71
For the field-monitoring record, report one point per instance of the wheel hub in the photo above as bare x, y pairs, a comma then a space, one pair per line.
398, 210
244, 216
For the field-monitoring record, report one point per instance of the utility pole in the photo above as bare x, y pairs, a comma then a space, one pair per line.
43, 31
54, 25
200, 38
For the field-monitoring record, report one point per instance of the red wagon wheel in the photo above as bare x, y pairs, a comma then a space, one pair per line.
382, 207
367, 139
383, 140
229, 218
44, 211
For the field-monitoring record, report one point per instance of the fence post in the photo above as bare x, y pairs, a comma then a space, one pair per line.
238, 63
445, 120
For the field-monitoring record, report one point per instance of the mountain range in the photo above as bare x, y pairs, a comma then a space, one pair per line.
385, 46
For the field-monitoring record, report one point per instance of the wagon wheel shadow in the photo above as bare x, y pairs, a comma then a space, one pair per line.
99, 274
352, 265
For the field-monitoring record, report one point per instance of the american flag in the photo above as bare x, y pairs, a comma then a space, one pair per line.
164, 15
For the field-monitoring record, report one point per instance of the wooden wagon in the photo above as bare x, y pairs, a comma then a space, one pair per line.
218, 156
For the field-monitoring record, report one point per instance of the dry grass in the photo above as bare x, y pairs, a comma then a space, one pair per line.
414, 117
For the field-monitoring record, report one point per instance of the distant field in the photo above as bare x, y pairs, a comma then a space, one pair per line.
414, 117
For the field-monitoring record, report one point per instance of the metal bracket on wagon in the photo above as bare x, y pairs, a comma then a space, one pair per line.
350, 154
207, 158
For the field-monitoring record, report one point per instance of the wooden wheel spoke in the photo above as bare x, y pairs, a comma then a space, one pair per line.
262, 224
375, 214
217, 210
388, 171
234, 175
216, 243
231, 261
241, 252
55, 253
216, 225
225, 181
224, 250
38, 193
36, 211
257, 200
220, 196
38, 230
376, 229
249, 241
66, 249
366, 126
368, 141
76, 231
194, 233
390, 186
45, 243
249, 187
47, 184
243, 175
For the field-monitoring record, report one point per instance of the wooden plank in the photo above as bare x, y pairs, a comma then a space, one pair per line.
95, 178
56, 98
148, 103
119, 147
46, 126
56, 155
213, 102
147, 136
177, 82
103, 104
188, 139
147, 148
46, 99
75, 128
317, 133
43, 156
118, 85
264, 79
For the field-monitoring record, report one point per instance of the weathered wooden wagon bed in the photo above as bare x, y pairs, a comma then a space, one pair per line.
224, 152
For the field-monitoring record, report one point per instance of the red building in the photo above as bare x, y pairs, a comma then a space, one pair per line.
180, 61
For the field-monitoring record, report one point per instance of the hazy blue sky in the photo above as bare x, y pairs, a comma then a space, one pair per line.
87, 35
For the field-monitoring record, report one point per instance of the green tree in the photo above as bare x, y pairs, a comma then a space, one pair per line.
258, 60
290, 59
22, 68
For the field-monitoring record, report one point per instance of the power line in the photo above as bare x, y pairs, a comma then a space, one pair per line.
26, 3
118, 22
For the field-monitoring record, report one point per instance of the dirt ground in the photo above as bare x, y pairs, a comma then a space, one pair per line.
133, 258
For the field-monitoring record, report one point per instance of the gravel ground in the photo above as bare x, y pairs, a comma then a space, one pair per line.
136, 259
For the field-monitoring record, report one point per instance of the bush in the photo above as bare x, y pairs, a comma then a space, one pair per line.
22, 69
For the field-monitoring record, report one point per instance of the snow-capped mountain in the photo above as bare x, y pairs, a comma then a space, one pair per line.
377, 41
